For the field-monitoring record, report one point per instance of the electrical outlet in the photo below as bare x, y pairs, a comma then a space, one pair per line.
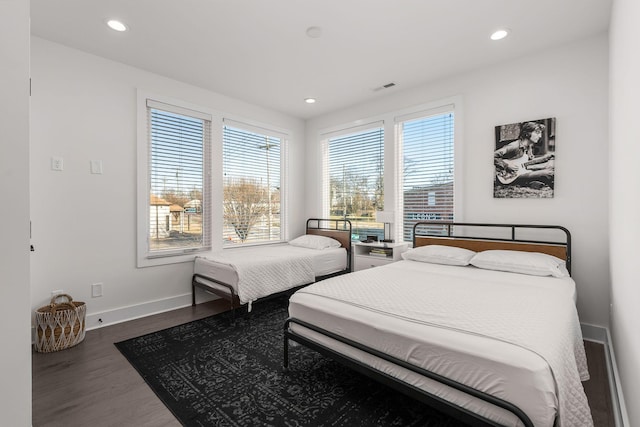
96, 290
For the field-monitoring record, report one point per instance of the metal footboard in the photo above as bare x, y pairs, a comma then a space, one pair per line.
431, 400
230, 295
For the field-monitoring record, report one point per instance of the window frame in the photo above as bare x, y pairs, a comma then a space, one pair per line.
325, 179
391, 154
258, 128
144, 256
415, 115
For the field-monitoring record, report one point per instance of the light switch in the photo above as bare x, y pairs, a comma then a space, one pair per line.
96, 166
57, 163
96, 290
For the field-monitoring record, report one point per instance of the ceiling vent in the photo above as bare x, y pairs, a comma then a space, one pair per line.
387, 86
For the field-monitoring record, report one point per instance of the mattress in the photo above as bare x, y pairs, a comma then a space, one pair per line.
381, 309
220, 265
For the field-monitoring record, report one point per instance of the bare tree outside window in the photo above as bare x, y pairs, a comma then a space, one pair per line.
252, 163
356, 179
246, 201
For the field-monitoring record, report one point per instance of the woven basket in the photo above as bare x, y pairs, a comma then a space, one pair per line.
59, 325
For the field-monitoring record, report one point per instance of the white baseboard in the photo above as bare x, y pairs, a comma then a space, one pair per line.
602, 335
131, 312
594, 333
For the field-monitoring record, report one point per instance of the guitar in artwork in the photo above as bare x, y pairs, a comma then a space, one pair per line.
516, 167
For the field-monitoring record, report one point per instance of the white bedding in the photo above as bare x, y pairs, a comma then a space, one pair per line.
511, 335
259, 271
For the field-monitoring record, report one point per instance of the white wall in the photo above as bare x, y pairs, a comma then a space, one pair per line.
15, 369
569, 83
625, 198
83, 109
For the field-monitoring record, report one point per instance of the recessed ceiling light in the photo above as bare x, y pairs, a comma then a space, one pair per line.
314, 32
310, 100
499, 34
116, 25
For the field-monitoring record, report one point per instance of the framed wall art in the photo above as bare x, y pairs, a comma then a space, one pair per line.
524, 159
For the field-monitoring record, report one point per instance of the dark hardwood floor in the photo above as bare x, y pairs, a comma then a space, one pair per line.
93, 385
597, 388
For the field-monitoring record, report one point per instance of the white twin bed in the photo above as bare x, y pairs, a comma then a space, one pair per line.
489, 347
244, 275
258, 272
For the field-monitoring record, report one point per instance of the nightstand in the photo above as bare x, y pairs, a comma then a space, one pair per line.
368, 255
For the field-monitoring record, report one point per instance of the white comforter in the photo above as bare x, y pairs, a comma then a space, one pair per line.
526, 311
264, 272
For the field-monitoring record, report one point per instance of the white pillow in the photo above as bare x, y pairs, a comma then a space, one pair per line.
312, 241
533, 263
438, 254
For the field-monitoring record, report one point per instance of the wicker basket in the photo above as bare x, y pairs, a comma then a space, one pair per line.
59, 325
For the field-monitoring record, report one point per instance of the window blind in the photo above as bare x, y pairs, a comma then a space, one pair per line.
354, 178
426, 173
179, 193
252, 201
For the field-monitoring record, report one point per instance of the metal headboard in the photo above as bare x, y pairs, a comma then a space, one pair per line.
453, 234
339, 229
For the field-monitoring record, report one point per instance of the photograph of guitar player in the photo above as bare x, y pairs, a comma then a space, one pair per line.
524, 166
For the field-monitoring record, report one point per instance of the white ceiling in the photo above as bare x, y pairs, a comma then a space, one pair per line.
258, 50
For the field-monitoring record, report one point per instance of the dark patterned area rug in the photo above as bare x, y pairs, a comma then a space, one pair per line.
211, 373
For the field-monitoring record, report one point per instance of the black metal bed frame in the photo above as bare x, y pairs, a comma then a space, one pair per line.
431, 400
232, 297
449, 234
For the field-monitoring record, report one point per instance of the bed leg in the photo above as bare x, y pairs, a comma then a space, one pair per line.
193, 294
285, 362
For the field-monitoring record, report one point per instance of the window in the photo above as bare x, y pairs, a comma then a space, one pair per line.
426, 169
353, 182
252, 184
174, 218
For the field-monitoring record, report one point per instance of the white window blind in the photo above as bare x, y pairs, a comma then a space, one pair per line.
353, 182
252, 184
426, 172
179, 190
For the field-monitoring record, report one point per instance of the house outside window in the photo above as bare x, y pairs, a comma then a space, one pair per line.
174, 183
426, 170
